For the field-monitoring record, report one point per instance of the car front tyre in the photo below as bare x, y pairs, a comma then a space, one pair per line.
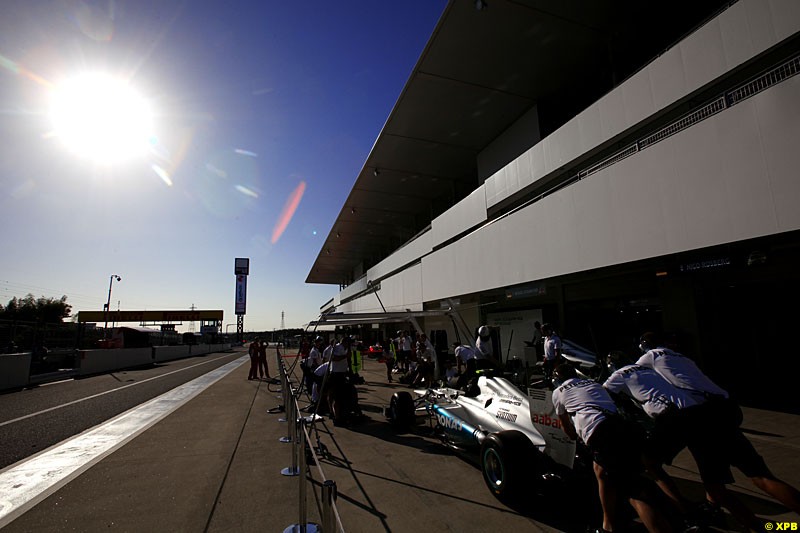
401, 409
505, 457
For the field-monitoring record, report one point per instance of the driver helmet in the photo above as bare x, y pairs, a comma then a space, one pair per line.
318, 339
483, 331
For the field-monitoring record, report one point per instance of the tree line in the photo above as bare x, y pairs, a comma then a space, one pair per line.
40, 310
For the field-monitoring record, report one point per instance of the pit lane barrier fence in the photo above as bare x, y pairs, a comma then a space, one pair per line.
298, 435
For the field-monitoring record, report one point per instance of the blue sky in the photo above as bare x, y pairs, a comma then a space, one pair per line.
252, 101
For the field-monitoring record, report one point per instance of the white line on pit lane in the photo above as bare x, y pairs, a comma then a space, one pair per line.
79, 400
26, 483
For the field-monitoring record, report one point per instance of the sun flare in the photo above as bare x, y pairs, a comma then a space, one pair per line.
101, 118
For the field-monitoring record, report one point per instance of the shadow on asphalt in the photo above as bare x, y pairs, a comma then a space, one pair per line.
571, 513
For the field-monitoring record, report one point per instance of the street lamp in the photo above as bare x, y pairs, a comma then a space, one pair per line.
108, 302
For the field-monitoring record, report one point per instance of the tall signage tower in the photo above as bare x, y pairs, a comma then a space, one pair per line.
241, 269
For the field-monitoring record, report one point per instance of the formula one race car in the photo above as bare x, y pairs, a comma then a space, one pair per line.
518, 435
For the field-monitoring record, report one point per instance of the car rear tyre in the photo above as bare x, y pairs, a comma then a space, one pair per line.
401, 409
505, 460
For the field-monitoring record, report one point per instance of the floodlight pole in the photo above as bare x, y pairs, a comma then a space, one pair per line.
108, 302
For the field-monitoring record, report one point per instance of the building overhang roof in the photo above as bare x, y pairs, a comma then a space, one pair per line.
479, 73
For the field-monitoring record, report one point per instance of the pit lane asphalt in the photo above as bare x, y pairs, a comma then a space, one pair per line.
214, 465
36, 418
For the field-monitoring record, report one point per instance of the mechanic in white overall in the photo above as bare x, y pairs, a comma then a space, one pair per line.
586, 411
484, 353
342, 395
311, 362
552, 350
719, 442
484, 342
671, 414
467, 364
403, 350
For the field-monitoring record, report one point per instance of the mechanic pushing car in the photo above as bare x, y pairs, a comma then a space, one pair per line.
588, 413
720, 442
639, 389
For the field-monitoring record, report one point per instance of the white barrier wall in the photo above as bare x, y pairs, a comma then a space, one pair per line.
168, 353
15, 370
200, 349
99, 361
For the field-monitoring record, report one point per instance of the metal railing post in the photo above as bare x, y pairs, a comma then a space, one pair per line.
303, 486
328, 498
291, 417
284, 379
303, 525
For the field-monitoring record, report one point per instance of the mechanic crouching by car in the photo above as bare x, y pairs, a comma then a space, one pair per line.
470, 360
588, 413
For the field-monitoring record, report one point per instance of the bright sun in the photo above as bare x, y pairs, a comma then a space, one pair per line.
101, 118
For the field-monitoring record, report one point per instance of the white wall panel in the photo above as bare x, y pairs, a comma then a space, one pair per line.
590, 132
744, 169
354, 288
760, 23
512, 178
703, 57
439, 279
670, 195
594, 218
637, 94
778, 115
403, 256
667, 78
700, 178
642, 223
494, 186
538, 168
785, 17
737, 43
560, 232
612, 114
391, 294
563, 145
465, 214
412, 288
397, 293
524, 169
